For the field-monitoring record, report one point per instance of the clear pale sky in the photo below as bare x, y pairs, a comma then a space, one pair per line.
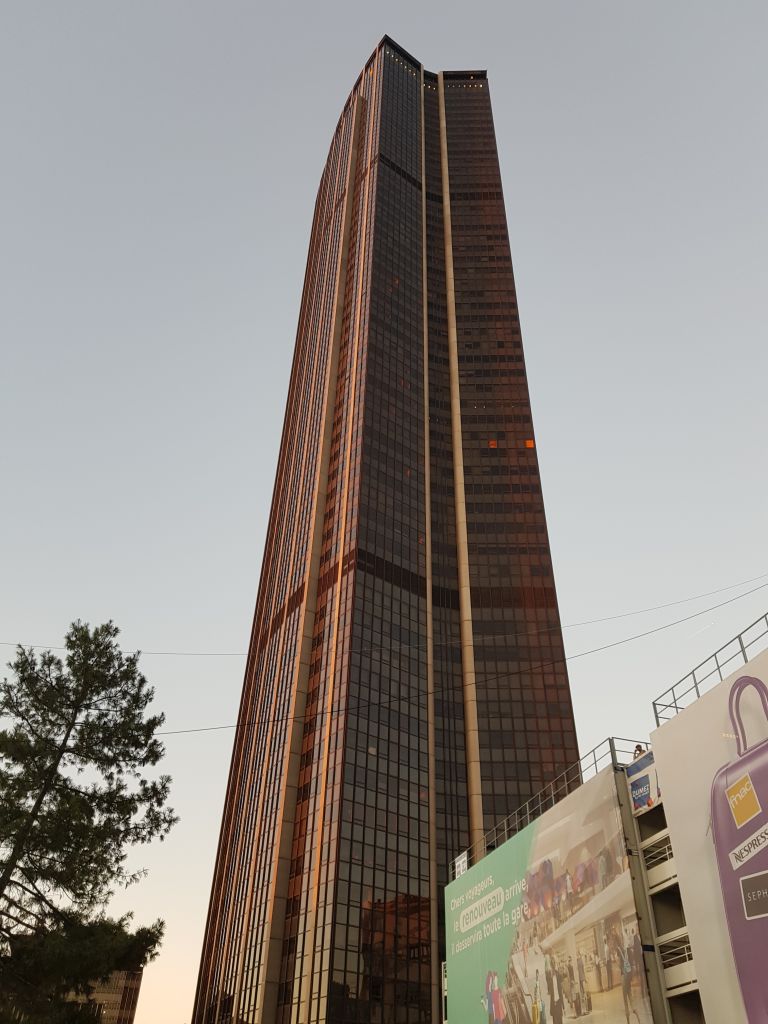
159, 168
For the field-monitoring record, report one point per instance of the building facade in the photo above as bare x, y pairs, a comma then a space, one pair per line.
116, 998
405, 685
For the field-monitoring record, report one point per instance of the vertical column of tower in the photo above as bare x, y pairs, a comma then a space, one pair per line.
317, 857
391, 834
451, 804
266, 1001
247, 859
474, 783
525, 718
376, 964
308, 848
433, 888
226, 931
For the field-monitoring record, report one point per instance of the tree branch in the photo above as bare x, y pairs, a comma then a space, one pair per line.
24, 832
14, 707
35, 893
22, 909
22, 924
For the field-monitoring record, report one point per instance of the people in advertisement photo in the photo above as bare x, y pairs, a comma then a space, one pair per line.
718, 825
570, 947
557, 985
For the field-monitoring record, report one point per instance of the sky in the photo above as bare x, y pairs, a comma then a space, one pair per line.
159, 168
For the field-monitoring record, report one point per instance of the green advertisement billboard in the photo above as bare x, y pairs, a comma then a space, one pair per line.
544, 929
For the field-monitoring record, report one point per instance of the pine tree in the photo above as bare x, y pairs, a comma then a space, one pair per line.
75, 745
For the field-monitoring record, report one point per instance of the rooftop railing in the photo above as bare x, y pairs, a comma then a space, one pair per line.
709, 673
615, 751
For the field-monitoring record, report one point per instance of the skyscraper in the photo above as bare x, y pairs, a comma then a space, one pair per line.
405, 685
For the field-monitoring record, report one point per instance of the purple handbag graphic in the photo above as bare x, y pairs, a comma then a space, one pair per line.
740, 832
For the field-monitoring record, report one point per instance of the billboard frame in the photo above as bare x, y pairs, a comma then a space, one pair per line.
630, 819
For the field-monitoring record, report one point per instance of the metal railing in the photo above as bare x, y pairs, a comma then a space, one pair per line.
658, 852
717, 667
676, 952
615, 751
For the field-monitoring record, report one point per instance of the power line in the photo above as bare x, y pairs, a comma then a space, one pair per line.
510, 636
669, 604
486, 679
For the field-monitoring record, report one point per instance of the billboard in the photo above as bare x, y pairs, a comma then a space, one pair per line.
712, 761
643, 782
544, 928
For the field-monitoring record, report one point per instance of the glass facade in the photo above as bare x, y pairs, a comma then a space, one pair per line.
115, 998
348, 792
